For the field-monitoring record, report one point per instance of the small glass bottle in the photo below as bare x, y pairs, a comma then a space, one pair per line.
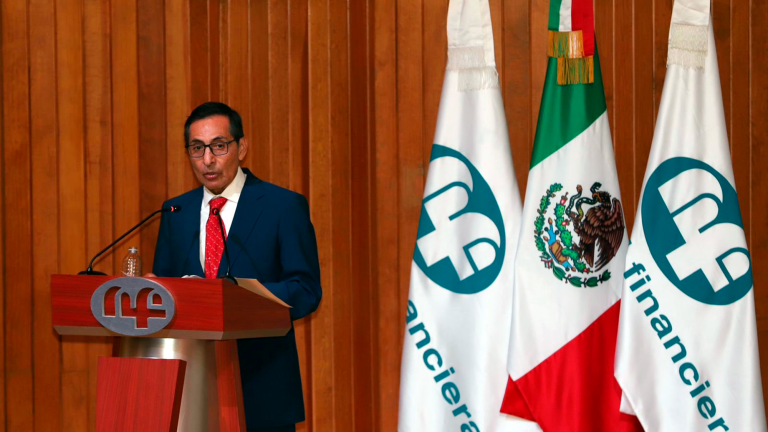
132, 263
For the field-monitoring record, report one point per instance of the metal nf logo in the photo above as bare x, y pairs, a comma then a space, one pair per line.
694, 231
133, 306
461, 242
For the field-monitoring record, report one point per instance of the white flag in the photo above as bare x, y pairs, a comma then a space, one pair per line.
687, 356
457, 324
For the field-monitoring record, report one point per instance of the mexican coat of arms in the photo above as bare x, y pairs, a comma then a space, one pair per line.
581, 235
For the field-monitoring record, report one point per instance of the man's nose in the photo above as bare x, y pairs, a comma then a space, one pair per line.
208, 156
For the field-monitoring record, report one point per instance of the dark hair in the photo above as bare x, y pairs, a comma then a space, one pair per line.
210, 109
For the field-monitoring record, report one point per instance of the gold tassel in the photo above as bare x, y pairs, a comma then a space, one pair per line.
575, 70
565, 44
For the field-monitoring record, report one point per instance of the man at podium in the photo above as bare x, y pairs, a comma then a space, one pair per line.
269, 237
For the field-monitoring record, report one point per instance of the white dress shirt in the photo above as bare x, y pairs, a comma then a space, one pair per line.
232, 194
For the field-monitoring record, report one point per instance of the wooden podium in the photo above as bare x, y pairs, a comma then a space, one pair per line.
177, 367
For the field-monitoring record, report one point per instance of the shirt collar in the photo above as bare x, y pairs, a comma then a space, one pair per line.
231, 193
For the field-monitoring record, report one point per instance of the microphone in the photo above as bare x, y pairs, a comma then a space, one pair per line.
227, 277
91, 272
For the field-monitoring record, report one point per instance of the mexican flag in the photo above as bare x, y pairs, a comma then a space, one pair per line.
687, 354
455, 344
570, 257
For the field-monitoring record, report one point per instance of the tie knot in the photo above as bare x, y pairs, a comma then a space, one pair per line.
217, 203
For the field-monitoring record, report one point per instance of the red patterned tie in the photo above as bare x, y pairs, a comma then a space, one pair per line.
214, 244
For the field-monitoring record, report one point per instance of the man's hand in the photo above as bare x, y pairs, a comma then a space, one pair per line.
150, 274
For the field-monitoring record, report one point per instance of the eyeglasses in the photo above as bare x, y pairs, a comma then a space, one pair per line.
218, 148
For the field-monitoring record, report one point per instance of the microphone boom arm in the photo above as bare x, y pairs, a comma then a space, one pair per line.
90, 271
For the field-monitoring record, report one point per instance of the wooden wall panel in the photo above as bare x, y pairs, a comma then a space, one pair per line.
739, 119
72, 203
45, 231
178, 32
340, 213
388, 321
624, 64
320, 196
5, 15
125, 122
361, 293
339, 101
515, 81
236, 65
604, 35
662, 18
757, 192
410, 136
151, 182
538, 19
201, 54
260, 88
98, 168
298, 157
643, 83
17, 320
277, 156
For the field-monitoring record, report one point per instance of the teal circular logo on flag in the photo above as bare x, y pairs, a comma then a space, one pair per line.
460, 243
694, 231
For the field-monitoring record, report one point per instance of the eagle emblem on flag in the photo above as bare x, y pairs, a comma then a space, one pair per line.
581, 235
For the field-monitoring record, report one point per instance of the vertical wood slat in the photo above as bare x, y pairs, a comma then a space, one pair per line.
385, 197
277, 155
604, 36
758, 193
433, 70
5, 11
739, 120
200, 56
643, 97
98, 132
360, 159
298, 148
98, 174
298, 94
721, 23
261, 48
539, 10
126, 148
17, 320
236, 65
320, 195
69, 85
340, 211
625, 103
216, 56
45, 231
662, 18
125, 128
152, 182
515, 80
410, 140
179, 74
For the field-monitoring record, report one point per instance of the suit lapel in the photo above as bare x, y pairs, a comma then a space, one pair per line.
190, 236
192, 265
249, 208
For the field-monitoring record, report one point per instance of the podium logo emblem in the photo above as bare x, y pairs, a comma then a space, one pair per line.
133, 306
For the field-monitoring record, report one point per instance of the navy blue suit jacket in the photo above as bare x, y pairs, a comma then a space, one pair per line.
271, 239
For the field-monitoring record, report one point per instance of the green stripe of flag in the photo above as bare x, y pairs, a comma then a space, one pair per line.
566, 110
554, 14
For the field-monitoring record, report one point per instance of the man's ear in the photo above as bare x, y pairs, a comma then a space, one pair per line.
242, 148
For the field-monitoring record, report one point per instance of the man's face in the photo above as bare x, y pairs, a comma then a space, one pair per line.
215, 172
